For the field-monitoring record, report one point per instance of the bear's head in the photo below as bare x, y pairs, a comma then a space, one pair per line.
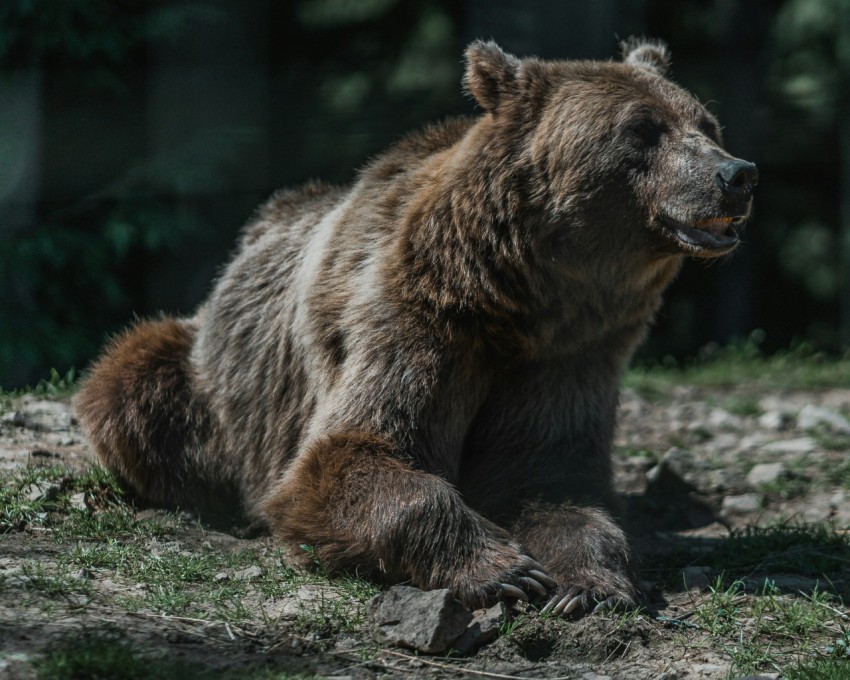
613, 154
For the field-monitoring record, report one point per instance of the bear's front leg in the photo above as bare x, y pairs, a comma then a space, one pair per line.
586, 552
363, 509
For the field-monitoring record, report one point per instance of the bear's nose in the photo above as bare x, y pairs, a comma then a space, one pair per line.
736, 176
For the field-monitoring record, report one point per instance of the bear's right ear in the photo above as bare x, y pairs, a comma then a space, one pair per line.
490, 73
652, 55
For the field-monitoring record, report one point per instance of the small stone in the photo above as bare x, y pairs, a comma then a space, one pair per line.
248, 573
78, 501
722, 479
428, 622
760, 676
84, 575
766, 473
41, 491
811, 417
221, 576
754, 440
594, 676
838, 499
747, 502
696, 578
775, 421
801, 445
483, 628
718, 418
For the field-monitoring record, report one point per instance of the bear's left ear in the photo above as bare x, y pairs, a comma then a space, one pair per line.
649, 54
490, 74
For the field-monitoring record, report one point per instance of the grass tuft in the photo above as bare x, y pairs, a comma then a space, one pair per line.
743, 362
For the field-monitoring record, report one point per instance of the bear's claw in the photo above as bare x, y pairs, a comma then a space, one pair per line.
579, 600
513, 592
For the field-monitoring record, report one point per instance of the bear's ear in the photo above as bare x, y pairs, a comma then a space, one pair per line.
490, 73
649, 54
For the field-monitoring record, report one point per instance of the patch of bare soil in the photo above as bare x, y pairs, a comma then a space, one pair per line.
694, 467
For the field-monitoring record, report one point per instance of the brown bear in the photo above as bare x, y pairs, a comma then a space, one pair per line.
417, 375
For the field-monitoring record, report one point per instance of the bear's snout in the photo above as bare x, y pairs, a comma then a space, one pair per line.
736, 178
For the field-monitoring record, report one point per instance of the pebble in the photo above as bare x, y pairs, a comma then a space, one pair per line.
248, 573
800, 445
811, 417
766, 473
78, 501
747, 502
775, 421
696, 578
41, 491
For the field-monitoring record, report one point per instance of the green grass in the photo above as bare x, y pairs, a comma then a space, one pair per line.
769, 630
108, 536
108, 655
808, 550
58, 384
824, 669
743, 362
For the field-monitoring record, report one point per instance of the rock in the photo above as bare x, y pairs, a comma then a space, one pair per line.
766, 473
710, 670
811, 417
696, 578
483, 628
78, 501
754, 440
760, 676
775, 421
305, 600
590, 675
720, 419
428, 622
722, 479
248, 573
40, 491
801, 445
747, 502
221, 576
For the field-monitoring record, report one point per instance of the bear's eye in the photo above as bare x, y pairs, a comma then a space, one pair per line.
710, 129
645, 131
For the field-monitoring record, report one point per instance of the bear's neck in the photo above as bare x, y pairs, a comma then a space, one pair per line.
468, 255
465, 245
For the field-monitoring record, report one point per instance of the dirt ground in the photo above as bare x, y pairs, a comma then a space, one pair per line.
696, 466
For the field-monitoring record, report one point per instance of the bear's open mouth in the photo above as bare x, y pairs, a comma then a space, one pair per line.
714, 233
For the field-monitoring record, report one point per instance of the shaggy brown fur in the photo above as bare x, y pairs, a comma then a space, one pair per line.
417, 375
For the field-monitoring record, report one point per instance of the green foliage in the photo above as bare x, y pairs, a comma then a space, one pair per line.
742, 363
824, 669
97, 35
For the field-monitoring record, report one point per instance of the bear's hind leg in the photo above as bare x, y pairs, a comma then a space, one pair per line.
143, 417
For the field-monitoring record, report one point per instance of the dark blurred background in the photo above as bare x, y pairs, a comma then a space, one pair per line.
137, 136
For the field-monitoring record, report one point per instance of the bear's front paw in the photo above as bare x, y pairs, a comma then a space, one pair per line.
502, 572
576, 600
